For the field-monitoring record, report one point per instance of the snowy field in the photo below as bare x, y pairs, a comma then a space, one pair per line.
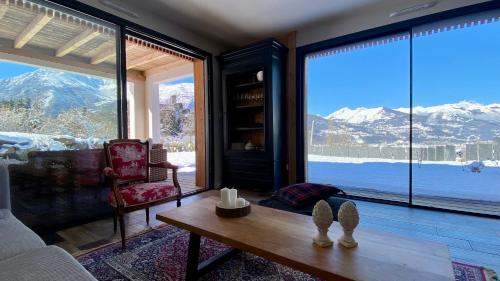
185, 160
445, 179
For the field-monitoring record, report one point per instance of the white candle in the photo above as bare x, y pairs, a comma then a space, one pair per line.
224, 197
240, 203
233, 194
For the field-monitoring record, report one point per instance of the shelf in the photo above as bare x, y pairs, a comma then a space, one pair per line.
248, 128
249, 84
249, 106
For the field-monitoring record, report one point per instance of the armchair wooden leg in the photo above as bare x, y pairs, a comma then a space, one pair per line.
115, 218
147, 216
178, 202
122, 230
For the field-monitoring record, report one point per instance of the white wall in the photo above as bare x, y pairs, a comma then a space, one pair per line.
152, 96
371, 17
137, 110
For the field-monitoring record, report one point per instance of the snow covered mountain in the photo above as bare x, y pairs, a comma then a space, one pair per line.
448, 123
59, 91
183, 92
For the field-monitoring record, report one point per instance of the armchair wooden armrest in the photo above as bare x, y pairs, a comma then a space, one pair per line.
166, 165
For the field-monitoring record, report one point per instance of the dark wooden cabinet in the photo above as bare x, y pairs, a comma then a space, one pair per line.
253, 92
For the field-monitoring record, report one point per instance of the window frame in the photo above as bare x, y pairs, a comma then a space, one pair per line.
387, 30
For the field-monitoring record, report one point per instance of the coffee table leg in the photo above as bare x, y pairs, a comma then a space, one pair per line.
193, 257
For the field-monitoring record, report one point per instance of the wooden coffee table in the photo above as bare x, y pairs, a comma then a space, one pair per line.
286, 238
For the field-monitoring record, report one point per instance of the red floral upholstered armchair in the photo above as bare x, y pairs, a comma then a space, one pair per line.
128, 168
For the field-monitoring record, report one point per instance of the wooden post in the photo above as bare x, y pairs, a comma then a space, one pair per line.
199, 116
289, 40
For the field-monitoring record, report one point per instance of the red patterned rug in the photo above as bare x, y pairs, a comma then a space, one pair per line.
160, 254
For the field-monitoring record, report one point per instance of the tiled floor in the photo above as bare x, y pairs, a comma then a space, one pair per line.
187, 182
472, 240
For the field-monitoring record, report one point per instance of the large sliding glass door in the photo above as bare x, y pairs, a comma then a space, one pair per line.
357, 117
456, 114
410, 118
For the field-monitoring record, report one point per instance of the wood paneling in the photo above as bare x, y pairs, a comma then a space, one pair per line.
289, 40
199, 114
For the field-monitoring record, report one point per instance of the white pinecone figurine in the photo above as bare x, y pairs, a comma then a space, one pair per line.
348, 219
323, 218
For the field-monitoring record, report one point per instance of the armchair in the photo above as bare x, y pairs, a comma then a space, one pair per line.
128, 164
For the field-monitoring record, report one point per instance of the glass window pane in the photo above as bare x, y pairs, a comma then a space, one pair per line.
357, 132
456, 114
58, 104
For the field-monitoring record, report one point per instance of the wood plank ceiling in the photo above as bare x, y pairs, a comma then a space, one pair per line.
30, 30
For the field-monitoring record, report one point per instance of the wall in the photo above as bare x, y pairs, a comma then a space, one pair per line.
370, 17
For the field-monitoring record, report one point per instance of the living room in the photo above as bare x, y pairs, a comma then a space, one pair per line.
229, 140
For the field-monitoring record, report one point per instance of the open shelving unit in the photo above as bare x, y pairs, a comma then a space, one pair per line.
252, 80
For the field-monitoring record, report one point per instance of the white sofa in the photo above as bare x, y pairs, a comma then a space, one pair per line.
23, 254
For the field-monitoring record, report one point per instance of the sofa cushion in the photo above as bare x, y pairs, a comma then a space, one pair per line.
301, 194
144, 192
15, 237
45, 264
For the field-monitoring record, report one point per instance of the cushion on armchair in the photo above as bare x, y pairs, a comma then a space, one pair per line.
144, 192
302, 194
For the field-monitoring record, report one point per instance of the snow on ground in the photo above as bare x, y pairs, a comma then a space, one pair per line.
15, 144
186, 161
446, 179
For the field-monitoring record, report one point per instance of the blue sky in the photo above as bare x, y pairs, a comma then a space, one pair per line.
8, 69
448, 67
178, 81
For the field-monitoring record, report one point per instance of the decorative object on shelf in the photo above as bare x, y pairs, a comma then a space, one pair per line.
237, 146
249, 146
230, 206
323, 218
348, 219
260, 76
259, 119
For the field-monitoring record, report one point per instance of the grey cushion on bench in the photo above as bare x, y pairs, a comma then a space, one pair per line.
15, 237
46, 264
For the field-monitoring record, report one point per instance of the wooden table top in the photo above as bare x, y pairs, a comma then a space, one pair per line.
286, 238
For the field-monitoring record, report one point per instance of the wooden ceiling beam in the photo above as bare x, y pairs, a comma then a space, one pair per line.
109, 53
146, 59
102, 56
76, 42
167, 67
3, 10
44, 57
31, 30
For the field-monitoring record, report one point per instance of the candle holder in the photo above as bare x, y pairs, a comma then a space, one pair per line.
232, 212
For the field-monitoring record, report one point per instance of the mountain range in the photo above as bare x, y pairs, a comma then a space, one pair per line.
183, 92
59, 91
454, 123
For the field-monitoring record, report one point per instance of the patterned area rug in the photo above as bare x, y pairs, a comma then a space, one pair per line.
160, 254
